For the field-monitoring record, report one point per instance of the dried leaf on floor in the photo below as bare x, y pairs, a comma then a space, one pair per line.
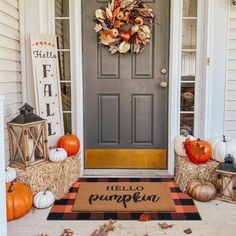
109, 226
99, 232
165, 225
144, 217
67, 232
104, 229
188, 231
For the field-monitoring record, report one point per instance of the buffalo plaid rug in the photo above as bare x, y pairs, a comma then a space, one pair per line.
185, 207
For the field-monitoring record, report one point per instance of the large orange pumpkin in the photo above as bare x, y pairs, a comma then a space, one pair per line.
198, 151
19, 200
70, 143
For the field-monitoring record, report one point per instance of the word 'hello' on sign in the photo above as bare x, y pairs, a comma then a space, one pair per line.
47, 84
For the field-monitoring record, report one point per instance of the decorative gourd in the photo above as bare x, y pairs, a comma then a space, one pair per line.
10, 174
57, 154
198, 151
43, 199
222, 147
201, 191
179, 144
70, 143
19, 200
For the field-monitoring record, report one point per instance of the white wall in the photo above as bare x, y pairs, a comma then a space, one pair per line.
10, 57
230, 105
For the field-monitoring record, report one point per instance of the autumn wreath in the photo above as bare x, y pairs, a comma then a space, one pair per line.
124, 25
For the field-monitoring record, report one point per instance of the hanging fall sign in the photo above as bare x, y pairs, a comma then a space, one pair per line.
124, 25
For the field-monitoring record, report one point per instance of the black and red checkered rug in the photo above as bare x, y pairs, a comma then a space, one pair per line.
185, 207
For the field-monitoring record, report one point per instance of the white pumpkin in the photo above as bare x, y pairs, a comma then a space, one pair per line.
10, 174
179, 144
222, 147
43, 199
57, 154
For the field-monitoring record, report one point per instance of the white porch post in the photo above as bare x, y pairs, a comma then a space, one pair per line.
3, 222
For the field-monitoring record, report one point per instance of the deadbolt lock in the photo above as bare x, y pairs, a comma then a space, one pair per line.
163, 71
163, 84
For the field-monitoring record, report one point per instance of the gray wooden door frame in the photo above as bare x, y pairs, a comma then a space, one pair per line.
125, 106
174, 79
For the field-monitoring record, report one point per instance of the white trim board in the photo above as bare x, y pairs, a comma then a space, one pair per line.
174, 80
215, 74
3, 216
77, 74
128, 173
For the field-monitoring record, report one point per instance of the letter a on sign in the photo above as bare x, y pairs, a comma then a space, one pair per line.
47, 84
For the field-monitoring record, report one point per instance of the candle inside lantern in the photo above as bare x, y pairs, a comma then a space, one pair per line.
31, 148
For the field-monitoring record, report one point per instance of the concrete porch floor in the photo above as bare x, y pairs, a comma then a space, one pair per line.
218, 219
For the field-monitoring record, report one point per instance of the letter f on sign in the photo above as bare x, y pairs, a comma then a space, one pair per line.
46, 69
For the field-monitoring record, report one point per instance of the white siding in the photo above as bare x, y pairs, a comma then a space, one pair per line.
10, 67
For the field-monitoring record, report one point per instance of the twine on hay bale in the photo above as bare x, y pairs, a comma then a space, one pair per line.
56, 177
187, 171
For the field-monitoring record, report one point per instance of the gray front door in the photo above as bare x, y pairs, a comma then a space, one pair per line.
124, 105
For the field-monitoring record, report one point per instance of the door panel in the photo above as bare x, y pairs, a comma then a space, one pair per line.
142, 125
108, 69
109, 121
142, 64
125, 108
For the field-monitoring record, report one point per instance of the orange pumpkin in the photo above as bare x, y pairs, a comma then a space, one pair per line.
70, 143
198, 151
19, 200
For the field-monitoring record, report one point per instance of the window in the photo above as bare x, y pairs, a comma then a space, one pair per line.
188, 72
62, 29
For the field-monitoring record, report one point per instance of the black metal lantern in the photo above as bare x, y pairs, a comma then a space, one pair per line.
27, 139
226, 180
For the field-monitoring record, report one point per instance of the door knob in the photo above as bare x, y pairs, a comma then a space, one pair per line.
163, 84
163, 71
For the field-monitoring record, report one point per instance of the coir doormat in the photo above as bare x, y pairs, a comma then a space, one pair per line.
184, 205
123, 197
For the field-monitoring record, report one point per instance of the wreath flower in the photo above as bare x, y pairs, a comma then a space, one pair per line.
124, 25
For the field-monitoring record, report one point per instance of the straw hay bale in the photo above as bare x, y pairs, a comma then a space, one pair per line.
187, 171
56, 177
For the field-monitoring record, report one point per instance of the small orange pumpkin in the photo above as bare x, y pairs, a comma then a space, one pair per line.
70, 143
19, 200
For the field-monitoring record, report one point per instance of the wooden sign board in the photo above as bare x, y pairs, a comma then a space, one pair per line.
47, 84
